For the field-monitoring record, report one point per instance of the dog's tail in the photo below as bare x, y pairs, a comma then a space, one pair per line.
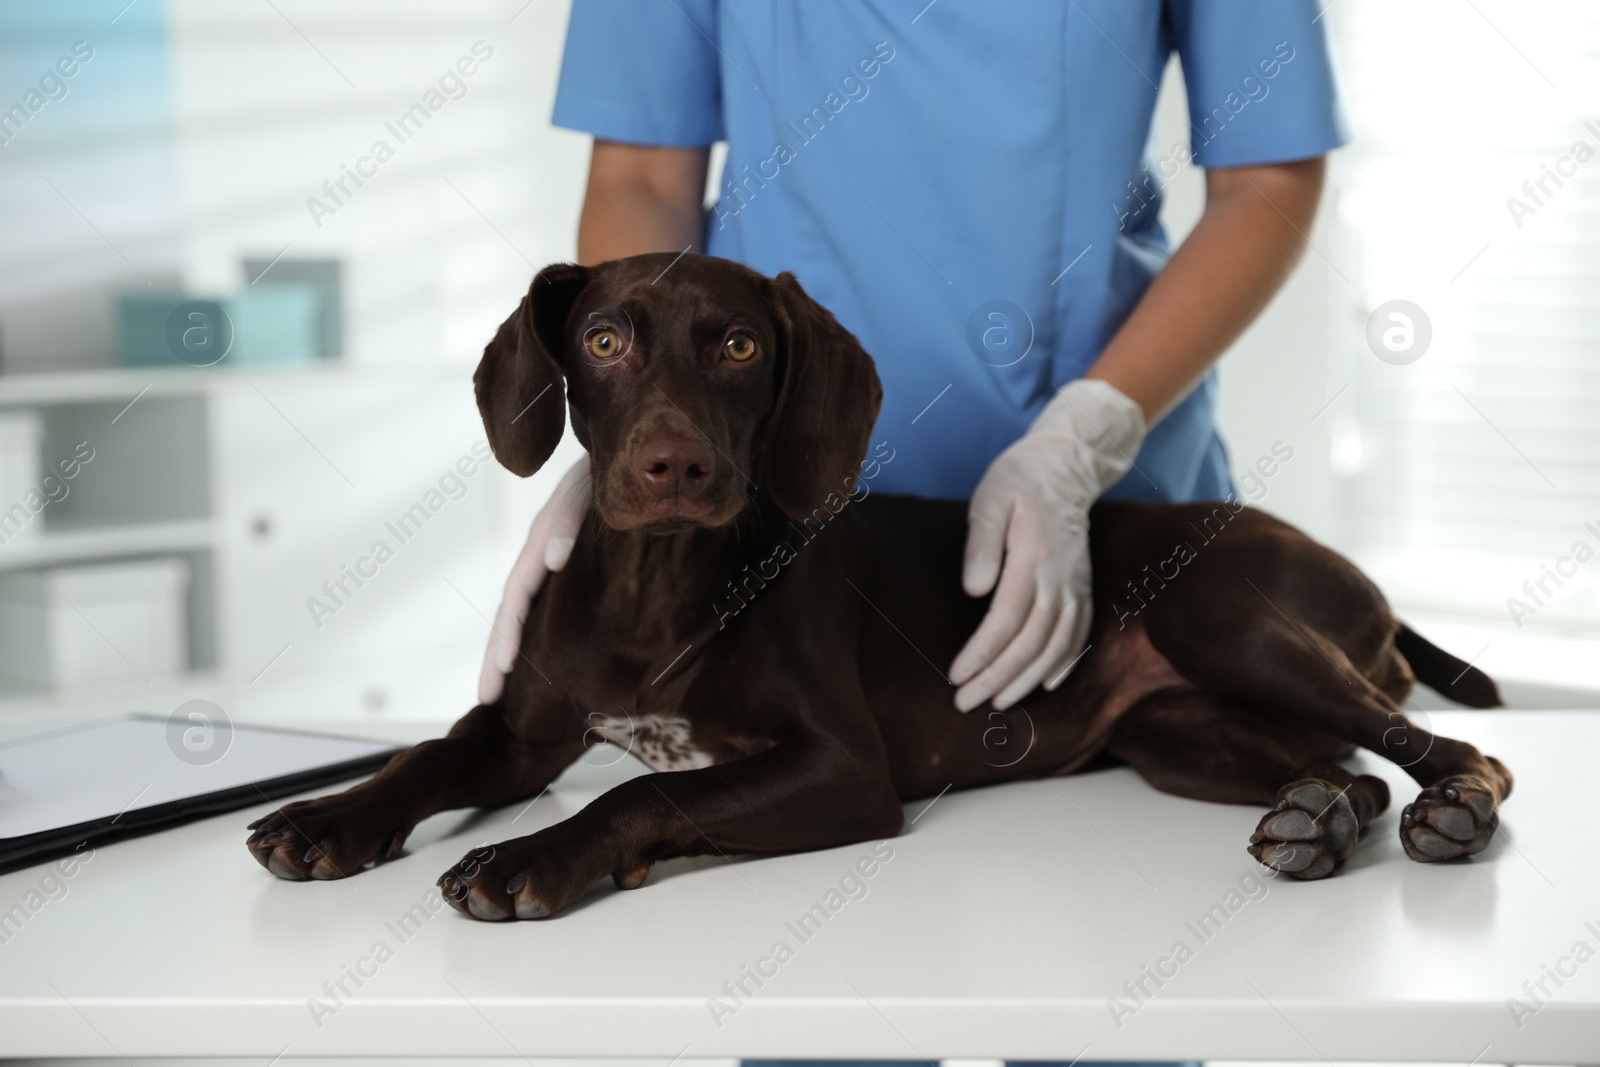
1444, 673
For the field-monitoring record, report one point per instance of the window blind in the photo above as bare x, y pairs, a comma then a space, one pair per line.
1472, 190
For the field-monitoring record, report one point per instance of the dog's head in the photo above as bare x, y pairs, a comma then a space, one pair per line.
694, 383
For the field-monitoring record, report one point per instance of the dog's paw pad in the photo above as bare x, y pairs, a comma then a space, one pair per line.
534, 877
1455, 818
1310, 833
478, 886
631, 879
523, 903
279, 865
529, 908
485, 909
481, 898
319, 839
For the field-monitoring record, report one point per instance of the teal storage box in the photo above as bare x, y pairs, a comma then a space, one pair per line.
324, 275
279, 324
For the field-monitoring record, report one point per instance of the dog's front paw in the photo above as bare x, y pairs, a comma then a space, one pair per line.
329, 837
1457, 817
530, 877
1310, 833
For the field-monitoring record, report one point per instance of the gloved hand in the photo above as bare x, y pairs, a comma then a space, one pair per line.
1032, 506
550, 541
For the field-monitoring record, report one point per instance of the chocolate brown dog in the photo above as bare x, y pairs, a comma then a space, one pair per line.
734, 617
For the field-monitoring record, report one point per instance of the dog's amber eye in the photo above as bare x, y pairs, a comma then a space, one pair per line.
603, 344
741, 347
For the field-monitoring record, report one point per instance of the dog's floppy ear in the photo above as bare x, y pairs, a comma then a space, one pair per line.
518, 381
827, 403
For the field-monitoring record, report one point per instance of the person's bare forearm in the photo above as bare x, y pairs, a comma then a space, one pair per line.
1247, 242
642, 199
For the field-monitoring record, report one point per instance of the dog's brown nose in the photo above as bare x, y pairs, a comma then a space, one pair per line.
681, 465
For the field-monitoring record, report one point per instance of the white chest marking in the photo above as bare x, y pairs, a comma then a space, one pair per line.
661, 741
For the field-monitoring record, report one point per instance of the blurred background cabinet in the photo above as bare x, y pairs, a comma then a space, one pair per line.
332, 528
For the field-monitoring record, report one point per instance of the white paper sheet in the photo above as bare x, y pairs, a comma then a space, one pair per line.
121, 765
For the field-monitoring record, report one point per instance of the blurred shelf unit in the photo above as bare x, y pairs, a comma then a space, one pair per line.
163, 530
107, 542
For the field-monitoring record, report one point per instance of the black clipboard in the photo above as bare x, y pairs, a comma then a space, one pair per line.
58, 790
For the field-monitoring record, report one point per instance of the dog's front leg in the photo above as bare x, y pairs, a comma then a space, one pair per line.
480, 762
796, 796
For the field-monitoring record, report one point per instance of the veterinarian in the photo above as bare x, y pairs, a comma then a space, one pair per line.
973, 192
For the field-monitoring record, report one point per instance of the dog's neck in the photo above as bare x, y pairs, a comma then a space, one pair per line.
663, 587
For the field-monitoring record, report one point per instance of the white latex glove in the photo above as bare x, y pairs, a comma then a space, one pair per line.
550, 541
1032, 508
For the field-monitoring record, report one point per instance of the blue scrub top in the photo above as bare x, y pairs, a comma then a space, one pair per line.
970, 187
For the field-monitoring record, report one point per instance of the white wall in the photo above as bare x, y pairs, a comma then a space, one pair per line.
88, 198
441, 244
444, 239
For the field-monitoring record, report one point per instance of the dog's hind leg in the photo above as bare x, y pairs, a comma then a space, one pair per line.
1292, 672
1199, 745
